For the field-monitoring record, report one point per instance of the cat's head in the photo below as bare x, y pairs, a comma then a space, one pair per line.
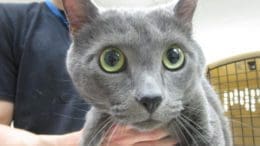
138, 65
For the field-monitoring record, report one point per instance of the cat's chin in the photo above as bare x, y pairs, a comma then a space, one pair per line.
147, 125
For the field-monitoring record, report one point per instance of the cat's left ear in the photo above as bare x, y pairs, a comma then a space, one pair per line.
79, 12
184, 11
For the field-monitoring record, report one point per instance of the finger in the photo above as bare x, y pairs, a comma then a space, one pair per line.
128, 136
149, 136
117, 135
132, 136
163, 142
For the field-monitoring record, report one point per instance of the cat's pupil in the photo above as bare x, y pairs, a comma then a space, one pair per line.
112, 58
173, 55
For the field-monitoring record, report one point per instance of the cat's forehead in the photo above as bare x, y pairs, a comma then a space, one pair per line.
136, 29
138, 17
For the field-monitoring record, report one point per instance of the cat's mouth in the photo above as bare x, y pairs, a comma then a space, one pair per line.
149, 124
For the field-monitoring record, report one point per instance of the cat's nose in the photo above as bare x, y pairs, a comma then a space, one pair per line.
150, 103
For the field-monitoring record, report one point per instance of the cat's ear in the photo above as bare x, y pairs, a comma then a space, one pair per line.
79, 12
184, 11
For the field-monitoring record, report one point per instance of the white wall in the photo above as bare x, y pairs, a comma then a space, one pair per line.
228, 27
223, 28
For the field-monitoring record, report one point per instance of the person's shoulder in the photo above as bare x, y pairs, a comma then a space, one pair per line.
18, 20
20, 10
18, 16
19, 7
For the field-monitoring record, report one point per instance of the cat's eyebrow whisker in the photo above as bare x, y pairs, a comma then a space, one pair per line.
187, 131
106, 123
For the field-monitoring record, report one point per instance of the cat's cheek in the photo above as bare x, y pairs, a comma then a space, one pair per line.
168, 111
179, 80
134, 114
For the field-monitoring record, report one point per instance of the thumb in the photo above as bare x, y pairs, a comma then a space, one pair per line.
71, 139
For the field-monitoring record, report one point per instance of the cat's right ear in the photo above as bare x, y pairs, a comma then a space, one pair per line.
184, 11
79, 12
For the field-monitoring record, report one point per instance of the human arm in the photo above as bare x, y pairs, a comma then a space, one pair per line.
13, 136
6, 112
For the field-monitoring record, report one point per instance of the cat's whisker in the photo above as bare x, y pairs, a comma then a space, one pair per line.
112, 134
108, 130
63, 80
80, 109
123, 129
69, 117
193, 108
187, 131
106, 123
187, 118
176, 134
195, 130
81, 103
181, 133
197, 108
77, 103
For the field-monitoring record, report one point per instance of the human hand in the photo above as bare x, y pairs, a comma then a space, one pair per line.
127, 136
71, 139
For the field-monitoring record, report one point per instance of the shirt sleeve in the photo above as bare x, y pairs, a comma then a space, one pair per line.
8, 69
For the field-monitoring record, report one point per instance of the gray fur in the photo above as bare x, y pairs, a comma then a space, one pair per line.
189, 106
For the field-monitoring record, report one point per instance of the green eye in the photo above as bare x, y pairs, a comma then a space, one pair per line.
112, 60
173, 58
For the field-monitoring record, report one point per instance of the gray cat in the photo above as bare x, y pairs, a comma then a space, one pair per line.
141, 67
